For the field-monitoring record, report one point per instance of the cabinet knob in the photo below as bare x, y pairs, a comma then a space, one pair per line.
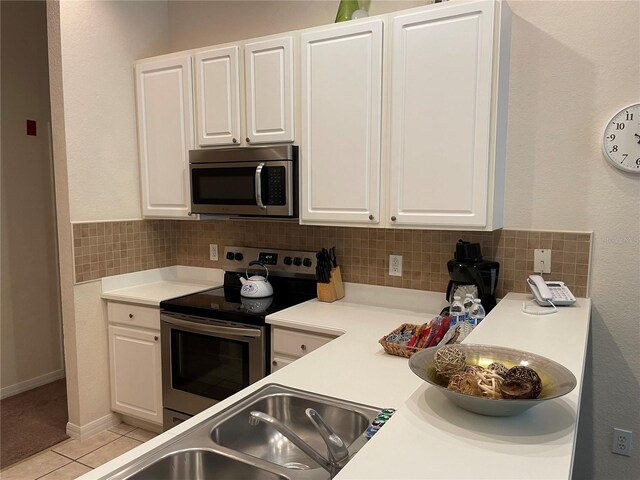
274, 363
248, 140
303, 347
370, 217
156, 338
234, 140
393, 218
131, 315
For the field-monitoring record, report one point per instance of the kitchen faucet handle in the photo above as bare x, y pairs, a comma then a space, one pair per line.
337, 449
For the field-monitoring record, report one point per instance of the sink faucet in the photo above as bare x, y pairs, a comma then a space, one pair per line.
338, 455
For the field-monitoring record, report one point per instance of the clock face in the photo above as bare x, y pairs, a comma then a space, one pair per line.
621, 139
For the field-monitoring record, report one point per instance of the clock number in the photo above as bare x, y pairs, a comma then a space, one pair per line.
620, 139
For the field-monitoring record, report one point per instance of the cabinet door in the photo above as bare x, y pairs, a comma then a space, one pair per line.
136, 381
165, 135
440, 115
341, 122
218, 96
269, 91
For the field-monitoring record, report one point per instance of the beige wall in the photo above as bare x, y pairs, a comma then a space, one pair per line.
92, 49
571, 70
30, 316
202, 23
100, 40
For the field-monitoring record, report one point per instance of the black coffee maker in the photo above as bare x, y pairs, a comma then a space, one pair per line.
467, 270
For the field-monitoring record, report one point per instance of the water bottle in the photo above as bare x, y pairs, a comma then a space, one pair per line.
468, 302
456, 311
476, 313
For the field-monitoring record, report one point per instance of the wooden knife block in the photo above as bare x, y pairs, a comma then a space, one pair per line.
332, 291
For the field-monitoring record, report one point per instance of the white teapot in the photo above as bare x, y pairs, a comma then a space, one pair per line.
256, 286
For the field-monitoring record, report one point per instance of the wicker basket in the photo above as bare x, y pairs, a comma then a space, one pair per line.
398, 349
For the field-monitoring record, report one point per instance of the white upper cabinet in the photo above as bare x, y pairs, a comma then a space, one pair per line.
442, 118
217, 85
265, 78
165, 134
268, 67
341, 102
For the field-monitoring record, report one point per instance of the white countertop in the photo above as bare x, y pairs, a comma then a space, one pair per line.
150, 287
427, 438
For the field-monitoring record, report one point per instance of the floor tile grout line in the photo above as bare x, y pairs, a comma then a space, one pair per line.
88, 466
108, 443
77, 460
55, 469
91, 451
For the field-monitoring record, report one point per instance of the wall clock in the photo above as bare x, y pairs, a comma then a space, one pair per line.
621, 139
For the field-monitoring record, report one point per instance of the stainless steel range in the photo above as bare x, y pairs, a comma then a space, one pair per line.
216, 342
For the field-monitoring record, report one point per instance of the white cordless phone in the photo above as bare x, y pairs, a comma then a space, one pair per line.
550, 293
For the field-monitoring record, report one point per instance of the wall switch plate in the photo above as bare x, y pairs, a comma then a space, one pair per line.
213, 252
621, 442
542, 260
395, 265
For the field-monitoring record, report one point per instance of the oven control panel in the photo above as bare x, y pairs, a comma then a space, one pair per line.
292, 262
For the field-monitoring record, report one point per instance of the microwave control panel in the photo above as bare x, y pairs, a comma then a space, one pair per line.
276, 183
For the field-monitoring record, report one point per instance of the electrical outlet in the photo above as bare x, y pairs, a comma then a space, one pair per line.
542, 260
213, 252
621, 442
395, 265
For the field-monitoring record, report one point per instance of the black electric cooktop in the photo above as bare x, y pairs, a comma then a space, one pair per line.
226, 303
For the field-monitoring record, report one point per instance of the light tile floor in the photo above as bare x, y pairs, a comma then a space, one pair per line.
72, 458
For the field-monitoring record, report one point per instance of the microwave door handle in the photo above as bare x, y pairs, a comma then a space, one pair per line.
258, 186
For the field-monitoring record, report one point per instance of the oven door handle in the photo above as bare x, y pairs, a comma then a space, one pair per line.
199, 327
258, 186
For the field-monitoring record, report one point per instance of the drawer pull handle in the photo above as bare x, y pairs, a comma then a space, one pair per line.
156, 338
131, 315
303, 347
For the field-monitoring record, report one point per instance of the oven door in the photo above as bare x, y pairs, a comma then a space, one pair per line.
205, 361
243, 188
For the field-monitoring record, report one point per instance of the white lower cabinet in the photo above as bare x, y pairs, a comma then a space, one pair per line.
135, 366
290, 344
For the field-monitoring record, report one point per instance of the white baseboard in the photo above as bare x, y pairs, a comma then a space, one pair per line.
30, 384
90, 429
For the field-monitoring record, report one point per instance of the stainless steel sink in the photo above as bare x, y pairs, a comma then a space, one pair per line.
348, 421
199, 464
228, 446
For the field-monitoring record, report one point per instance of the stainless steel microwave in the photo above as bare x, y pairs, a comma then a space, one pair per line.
245, 181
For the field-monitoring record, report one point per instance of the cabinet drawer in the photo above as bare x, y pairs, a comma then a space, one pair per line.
296, 343
134, 315
279, 362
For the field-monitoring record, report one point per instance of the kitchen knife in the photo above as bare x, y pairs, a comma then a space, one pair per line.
332, 257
